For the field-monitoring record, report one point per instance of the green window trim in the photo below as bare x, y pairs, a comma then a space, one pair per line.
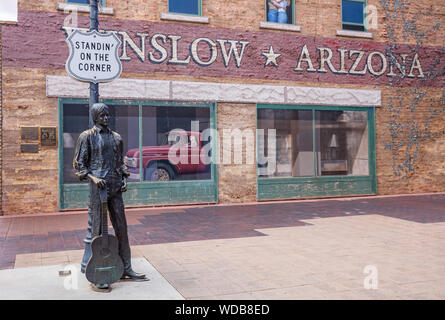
293, 11
320, 186
199, 9
352, 23
74, 196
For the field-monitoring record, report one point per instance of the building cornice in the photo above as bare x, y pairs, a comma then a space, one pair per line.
64, 87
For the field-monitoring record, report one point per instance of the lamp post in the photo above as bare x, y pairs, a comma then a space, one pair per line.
94, 98
94, 25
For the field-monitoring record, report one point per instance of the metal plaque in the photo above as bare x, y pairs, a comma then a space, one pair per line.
30, 133
48, 136
29, 148
94, 56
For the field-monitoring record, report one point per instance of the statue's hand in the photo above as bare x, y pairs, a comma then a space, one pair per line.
100, 183
124, 185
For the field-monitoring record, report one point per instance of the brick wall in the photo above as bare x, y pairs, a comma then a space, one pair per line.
30, 181
237, 182
410, 126
316, 17
1, 122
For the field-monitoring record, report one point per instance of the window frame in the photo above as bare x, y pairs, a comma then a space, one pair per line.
189, 14
143, 192
353, 23
293, 12
319, 182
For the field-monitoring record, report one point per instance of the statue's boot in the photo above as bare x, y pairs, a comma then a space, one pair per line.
131, 275
101, 287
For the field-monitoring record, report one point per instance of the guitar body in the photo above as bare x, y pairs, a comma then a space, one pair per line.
105, 265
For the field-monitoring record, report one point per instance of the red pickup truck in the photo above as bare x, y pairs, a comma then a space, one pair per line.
155, 159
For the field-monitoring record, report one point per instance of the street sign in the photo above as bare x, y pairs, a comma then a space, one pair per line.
93, 56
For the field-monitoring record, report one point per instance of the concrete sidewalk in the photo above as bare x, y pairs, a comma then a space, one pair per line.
367, 248
44, 283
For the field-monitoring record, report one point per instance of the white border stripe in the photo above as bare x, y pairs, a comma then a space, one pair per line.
63, 87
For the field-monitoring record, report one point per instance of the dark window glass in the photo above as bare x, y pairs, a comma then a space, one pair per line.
173, 142
294, 154
78, 1
184, 6
352, 11
342, 142
353, 27
84, 1
75, 121
124, 120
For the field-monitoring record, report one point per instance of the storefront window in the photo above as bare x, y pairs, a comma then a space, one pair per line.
176, 140
294, 142
341, 142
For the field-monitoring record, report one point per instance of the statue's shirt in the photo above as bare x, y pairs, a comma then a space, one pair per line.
99, 151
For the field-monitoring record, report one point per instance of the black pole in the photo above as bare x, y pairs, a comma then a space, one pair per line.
94, 98
94, 25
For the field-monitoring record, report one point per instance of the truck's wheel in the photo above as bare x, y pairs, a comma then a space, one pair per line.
158, 172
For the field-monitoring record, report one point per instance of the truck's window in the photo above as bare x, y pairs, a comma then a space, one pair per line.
162, 139
193, 141
185, 140
173, 138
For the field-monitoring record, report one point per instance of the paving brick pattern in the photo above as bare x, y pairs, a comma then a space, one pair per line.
61, 232
291, 250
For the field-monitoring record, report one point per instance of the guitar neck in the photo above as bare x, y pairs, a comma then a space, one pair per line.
103, 208
104, 219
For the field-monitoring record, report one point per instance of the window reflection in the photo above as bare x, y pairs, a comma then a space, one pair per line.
341, 142
124, 120
173, 131
294, 142
180, 131
75, 121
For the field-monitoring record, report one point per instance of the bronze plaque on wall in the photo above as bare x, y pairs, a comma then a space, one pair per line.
48, 136
29, 133
29, 148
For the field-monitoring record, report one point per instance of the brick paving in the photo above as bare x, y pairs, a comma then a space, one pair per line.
284, 250
66, 231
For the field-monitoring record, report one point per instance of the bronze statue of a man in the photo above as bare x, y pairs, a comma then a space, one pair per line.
99, 158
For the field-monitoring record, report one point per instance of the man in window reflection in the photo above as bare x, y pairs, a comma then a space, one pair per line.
99, 158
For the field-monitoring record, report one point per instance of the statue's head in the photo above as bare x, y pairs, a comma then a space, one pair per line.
97, 109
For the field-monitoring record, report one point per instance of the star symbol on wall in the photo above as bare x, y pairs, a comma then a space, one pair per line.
271, 57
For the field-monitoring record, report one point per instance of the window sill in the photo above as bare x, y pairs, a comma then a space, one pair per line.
82, 8
279, 26
354, 34
184, 17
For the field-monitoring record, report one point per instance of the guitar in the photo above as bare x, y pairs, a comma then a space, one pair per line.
105, 265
